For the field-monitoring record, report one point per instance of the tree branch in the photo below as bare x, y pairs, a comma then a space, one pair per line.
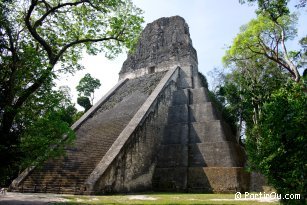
293, 68
53, 9
27, 92
67, 46
34, 33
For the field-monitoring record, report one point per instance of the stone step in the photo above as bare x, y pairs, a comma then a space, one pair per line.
173, 155
78, 163
192, 113
197, 132
216, 154
181, 97
50, 189
176, 134
56, 178
170, 179
203, 112
185, 82
217, 179
198, 95
210, 131
67, 183
210, 154
178, 114
190, 96
39, 175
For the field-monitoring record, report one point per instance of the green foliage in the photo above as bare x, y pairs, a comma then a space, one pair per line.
40, 126
272, 108
302, 62
84, 102
273, 8
277, 145
87, 86
77, 116
34, 37
45, 121
203, 80
44, 139
264, 38
226, 112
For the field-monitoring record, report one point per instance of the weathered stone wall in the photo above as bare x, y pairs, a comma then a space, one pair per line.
133, 168
164, 44
218, 179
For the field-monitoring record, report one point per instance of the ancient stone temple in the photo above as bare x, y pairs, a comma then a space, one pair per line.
156, 130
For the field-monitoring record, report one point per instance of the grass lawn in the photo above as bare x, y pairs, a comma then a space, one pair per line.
169, 198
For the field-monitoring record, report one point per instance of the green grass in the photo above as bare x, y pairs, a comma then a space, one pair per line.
161, 199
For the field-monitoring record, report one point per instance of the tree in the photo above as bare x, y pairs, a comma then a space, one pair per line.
264, 37
44, 138
302, 3
84, 102
271, 105
279, 7
41, 124
87, 86
274, 8
37, 35
51, 32
277, 145
246, 88
302, 55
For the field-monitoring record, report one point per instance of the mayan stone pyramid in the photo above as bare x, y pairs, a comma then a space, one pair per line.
156, 130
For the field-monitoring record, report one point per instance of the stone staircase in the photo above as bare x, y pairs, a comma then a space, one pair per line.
199, 152
94, 138
67, 174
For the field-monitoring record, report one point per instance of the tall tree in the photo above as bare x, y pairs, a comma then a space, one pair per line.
37, 35
273, 8
87, 86
247, 87
264, 37
274, 106
276, 146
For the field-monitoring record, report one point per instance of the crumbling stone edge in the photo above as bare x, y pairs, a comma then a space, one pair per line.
15, 183
118, 145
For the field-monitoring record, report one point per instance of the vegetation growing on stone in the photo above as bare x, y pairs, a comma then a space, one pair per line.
86, 90
217, 98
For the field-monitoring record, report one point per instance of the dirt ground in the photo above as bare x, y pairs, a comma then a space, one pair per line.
12, 198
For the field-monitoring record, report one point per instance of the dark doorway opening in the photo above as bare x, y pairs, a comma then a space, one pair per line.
151, 70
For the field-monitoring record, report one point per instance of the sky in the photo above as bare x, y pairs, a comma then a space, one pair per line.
213, 25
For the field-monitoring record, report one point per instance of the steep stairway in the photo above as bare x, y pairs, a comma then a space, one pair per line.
199, 151
94, 138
